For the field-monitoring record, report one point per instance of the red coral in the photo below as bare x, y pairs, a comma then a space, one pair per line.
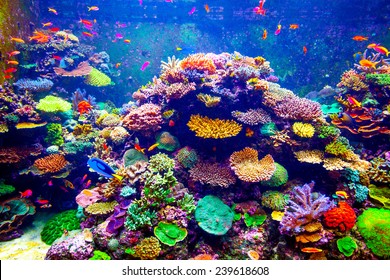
342, 217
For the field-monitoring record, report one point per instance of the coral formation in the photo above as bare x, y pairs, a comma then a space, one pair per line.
205, 127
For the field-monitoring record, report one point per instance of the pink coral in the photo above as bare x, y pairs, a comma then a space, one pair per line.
252, 116
144, 118
296, 108
88, 197
212, 174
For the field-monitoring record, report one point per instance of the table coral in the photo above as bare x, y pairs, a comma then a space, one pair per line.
248, 168
51, 163
205, 127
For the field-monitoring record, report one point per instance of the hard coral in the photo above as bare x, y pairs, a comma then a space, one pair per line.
212, 174
198, 62
144, 118
148, 249
342, 217
205, 127
51, 163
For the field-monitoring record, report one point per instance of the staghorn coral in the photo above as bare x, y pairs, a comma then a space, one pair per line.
212, 174
51, 163
101, 208
275, 94
310, 156
342, 217
252, 116
332, 164
38, 85
379, 171
148, 249
198, 62
305, 130
248, 168
205, 127
178, 90
144, 118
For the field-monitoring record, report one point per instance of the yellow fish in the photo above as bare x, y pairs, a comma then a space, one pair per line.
154, 146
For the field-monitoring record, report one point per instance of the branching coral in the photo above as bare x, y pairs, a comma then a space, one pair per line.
51, 163
212, 174
296, 108
209, 100
248, 168
213, 128
310, 156
351, 79
380, 170
178, 90
252, 116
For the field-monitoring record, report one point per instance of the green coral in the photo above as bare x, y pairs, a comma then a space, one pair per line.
5, 189
254, 220
131, 156
187, 203
380, 194
99, 255
97, 79
268, 129
280, 177
160, 162
187, 157
54, 228
77, 146
157, 187
53, 104
138, 217
167, 141
346, 245
54, 134
374, 225
328, 131
274, 200
169, 234
213, 216
337, 148
379, 79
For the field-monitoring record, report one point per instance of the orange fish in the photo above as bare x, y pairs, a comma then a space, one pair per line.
117, 65
8, 76
87, 192
304, 50
93, 8
84, 107
154, 146
13, 62
379, 49
53, 11
359, 38
207, 8
249, 132
294, 26
47, 24
265, 33
311, 250
13, 53
87, 34
86, 22
68, 184
127, 41
17, 40
40, 37
139, 149
368, 63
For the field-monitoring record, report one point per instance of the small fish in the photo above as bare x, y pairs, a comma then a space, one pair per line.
304, 50
84, 178
86, 22
368, 63
249, 132
171, 123
342, 194
117, 65
278, 29
118, 36
13, 62
207, 8
179, 49
87, 34
294, 26
17, 40
13, 53
54, 29
259, 9
93, 8
68, 184
53, 11
139, 149
357, 56
47, 24
10, 70
88, 183
154, 146
7, 77
359, 38
26, 193
47, 205
265, 34
105, 147
167, 114
146, 64
127, 41
56, 57
42, 201
192, 11
311, 250
353, 101
140, 2
381, 50
50, 183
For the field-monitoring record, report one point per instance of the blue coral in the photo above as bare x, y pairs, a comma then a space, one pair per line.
38, 85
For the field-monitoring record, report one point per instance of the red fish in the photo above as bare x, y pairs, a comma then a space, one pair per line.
264, 34
304, 50
50, 183
105, 147
42, 201
54, 29
88, 183
86, 22
192, 11
26, 194
87, 34
260, 10
359, 38
278, 29
8, 76
143, 67
13, 53
56, 57
311, 250
84, 178
139, 149
10, 70
171, 123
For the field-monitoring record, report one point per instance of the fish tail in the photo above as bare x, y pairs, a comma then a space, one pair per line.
120, 178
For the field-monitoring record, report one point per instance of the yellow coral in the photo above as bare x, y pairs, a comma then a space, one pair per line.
70, 36
213, 128
248, 168
3, 128
82, 129
310, 156
100, 208
148, 249
97, 79
335, 164
305, 130
208, 100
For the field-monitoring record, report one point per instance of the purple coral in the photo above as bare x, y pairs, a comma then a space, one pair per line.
302, 209
75, 248
37, 85
296, 108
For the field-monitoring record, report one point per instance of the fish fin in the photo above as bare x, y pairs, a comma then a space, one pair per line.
120, 178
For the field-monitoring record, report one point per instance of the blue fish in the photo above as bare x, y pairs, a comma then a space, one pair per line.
102, 168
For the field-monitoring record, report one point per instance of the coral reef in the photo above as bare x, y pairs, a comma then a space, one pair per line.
205, 127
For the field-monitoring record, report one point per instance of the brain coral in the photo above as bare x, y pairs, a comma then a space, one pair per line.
342, 217
248, 168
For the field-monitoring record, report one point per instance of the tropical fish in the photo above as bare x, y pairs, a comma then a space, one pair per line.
277, 215
13, 62
249, 132
346, 119
42, 201
10, 70
93, 8
54, 29
265, 33
88, 237
7, 77
207, 8
179, 49
381, 49
359, 38
13, 53
143, 67
167, 114
357, 56
53, 11
127, 41
26, 193
353, 101
57, 57
17, 40
87, 34
102, 168
84, 178
47, 24
86, 22
260, 10
192, 11
294, 26
118, 36
304, 50
50, 183
47, 205
311, 250
342, 194
278, 29
138, 148
68, 184
154, 146
368, 63
105, 147
88, 183
171, 123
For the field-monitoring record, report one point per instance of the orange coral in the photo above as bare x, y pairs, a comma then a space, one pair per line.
248, 168
203, 257
198, 62
51, 163
351, 79
342, 217
17, 154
